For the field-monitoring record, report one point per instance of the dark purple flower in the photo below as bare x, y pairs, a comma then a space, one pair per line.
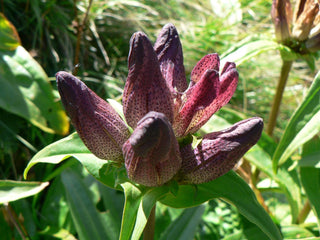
161, 108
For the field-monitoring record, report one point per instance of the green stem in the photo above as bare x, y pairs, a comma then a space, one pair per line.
304, 213
148, 233
285, 69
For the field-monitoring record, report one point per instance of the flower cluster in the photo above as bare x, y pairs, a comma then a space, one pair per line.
163, 111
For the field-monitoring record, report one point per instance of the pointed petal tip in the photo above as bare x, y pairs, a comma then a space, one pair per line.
210, 61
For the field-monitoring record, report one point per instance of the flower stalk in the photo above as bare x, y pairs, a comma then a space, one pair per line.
285, 70
148, 232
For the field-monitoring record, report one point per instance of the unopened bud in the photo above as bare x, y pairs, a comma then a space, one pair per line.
218, 152
151, 153
97, 123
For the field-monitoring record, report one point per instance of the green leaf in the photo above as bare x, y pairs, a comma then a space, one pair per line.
185, 226
59, 151
26, 92
247, 49
24, 208
14, 190
303, 125
133, 197
56, 200
137, 208
310, 177
9, 37
113, 202
288, 181
86, 218
296, 232
72, 146
231, 188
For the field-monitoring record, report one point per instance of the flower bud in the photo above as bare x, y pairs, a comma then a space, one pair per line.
169, 51
97, 123
145, 89
151, 153
218, 152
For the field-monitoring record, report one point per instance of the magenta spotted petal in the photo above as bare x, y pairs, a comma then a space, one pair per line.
199, 97
152, 154
145, 89
210, 61
218, 152
205, 95
98, 124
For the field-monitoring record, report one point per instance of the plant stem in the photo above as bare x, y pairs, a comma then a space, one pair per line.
148, 233
285, 69
304, 213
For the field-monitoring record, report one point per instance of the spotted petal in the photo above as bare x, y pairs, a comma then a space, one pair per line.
218, 152
98, 124
228, 85
199, 97
210, 61
169, 51
152, 154
145, 89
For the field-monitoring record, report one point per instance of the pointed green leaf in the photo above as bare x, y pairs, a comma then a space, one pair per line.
22, 77
137, 208
72, 146
14, 190
185, 226
231, 188
310, 176
247, 49
86, 218
303, 125
149, 199
133, 196
59, 151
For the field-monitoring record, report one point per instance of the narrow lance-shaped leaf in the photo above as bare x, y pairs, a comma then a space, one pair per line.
14, 190
303, 125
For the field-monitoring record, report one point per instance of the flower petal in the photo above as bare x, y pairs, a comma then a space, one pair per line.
281, 14
199, 97
169, 51
219, 151
145, 89
151, 153
228, 84
98, 124
210, 61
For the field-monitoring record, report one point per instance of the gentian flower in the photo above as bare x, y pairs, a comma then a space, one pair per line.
300, 26
163, 112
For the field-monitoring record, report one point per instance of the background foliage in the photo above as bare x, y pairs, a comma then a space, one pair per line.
61, 200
